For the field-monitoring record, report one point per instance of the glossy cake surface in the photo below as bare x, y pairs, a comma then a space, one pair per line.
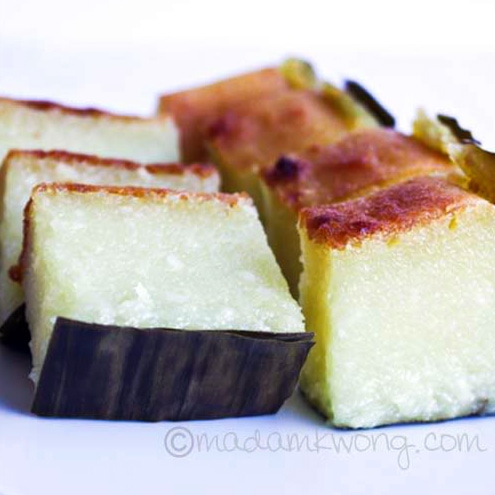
22, 170
149, 258
399, 288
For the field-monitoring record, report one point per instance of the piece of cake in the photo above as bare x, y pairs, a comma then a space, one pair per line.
399, 288
47, 125
196, 109
22, 170
359, 163
251, 136
149, 258
247, 122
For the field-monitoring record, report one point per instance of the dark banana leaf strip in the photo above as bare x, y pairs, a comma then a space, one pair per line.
124, 373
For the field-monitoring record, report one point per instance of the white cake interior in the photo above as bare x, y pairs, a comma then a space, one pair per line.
194, 262
405, 329
143, 140
22, 171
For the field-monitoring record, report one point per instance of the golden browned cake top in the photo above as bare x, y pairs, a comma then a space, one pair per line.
152, 194
67, 158
252, 135
148, 194
196, 109
387, 212
49, 106
361, 161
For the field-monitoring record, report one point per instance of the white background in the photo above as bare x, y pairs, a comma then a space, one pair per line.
439, 55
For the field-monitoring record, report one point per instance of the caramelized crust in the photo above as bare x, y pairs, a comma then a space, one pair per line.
201, 170
387, 212
150, 194
252, 135
49, 106
195, 110
364, 159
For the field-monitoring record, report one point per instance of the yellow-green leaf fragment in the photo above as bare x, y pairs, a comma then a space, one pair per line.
299, 74
446, 135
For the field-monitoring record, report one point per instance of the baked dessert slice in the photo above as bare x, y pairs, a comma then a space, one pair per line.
156, 259
195, 110
399, 288
252, 135
247, 122
47, 125
361, 162
22, 170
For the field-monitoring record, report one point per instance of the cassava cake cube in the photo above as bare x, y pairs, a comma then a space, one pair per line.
247, 122
47, 125
149, 258
252, 135
22, 170
195, 110
399, 288
359, 163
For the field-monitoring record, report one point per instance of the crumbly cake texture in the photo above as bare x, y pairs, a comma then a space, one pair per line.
48, 125
399, 289
22, 170
149, 258
361, 162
